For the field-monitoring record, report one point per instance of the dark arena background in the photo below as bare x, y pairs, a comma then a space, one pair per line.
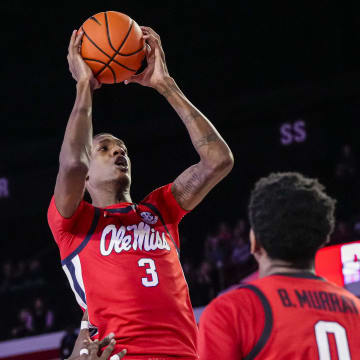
279, 80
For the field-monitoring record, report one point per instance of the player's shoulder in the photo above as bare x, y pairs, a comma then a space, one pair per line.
84, 209
158, 193
241, 302
162, 202
82, 205
238, 296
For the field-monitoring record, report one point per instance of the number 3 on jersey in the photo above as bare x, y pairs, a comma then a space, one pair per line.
150, 270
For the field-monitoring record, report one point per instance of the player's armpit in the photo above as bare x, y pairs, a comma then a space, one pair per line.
190, 187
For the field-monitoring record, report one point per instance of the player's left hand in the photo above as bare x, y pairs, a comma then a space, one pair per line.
156, 72
89, 349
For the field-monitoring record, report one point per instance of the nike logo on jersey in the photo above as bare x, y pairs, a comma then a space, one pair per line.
125, 238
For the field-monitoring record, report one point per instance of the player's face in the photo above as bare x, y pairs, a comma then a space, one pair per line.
109, 161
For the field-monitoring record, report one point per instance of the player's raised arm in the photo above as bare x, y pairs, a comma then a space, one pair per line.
216, 159
76, 146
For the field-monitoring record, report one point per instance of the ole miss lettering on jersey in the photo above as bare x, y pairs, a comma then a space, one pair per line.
123, 266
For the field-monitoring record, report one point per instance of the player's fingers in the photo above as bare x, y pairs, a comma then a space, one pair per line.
93, 348
119, 355
150, 30
157, 45
97, 83
151, 39
72, 40
84, 327
84, 351
106, 340
150, 53
78, 39
134, 79
106, 353
154, 45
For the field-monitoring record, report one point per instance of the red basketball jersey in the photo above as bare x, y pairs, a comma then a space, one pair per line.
123, 265
287, 316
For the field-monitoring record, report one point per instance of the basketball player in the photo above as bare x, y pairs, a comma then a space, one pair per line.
289, 312
122, 257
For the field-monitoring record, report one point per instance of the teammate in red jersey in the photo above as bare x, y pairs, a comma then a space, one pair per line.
122, 258
289, 312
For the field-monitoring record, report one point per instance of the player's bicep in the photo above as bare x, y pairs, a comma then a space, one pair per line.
191, 186
69, 189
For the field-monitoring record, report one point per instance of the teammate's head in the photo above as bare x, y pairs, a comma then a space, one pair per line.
291, 217
109, 163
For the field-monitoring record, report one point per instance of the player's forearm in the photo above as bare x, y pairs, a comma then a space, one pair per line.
211, 147
77, 141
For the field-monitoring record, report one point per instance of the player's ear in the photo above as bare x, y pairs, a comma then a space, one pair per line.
254, 246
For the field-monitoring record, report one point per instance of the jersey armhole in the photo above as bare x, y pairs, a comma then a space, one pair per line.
268, 324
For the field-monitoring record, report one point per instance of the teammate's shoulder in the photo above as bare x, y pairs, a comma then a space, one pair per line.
238, 294
240, 301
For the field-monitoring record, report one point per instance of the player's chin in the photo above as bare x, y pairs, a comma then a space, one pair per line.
123, 175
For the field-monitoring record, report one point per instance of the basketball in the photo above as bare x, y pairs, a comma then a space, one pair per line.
112, 46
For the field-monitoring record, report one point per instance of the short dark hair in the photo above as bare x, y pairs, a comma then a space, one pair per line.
291, 216
106, 134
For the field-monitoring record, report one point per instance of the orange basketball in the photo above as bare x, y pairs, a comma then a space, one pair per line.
112, 46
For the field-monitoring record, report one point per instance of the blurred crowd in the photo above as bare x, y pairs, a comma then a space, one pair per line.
23, 290
29, 286
226, 260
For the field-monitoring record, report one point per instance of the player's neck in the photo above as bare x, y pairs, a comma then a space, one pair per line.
271, 267
104, 198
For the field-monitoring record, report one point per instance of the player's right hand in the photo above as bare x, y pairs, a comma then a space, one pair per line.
80, 71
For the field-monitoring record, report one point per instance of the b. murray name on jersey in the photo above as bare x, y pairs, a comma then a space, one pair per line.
319, 300
125, 238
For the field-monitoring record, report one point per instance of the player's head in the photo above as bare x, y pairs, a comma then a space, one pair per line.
291, 217
109, 163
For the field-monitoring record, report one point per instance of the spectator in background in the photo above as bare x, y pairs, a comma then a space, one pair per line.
189, 274
24, 325
224, 232
241, 229
204, 285
213, 252
43, 318
241, 251
6, 276
241, 247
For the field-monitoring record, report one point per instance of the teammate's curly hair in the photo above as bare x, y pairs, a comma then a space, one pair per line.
291, 216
